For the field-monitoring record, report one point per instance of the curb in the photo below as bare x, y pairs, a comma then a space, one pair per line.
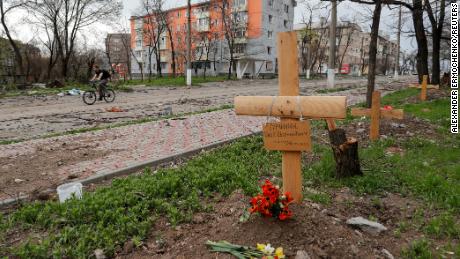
107, 175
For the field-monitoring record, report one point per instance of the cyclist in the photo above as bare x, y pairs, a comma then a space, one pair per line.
103, 76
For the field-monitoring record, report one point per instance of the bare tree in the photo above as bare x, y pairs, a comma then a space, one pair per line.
437, 19
347, 33
6, 7
167, 20
154, 30
229, 26
69, 17
378, 4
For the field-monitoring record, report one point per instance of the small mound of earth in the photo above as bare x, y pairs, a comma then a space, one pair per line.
319, 230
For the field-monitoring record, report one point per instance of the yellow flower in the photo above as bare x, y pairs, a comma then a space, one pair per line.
261, 247
279, 253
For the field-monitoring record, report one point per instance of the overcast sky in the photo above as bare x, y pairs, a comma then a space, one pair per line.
347, 11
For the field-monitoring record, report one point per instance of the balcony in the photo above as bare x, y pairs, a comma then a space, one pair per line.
203, 28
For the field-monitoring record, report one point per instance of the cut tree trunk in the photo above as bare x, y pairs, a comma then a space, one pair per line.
345, 154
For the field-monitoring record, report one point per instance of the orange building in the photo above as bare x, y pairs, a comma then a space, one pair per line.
248, 27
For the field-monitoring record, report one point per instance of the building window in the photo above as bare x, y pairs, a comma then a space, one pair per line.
269, 66
240, 48
269, 50
285, 23
270, 34
270, 18
237, 3
163, 43
178, 14
286, 8
241, 33
139, 43
270, 2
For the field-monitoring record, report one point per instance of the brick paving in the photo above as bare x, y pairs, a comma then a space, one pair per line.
134, 144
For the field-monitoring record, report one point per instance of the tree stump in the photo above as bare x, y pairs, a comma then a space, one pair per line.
345, 154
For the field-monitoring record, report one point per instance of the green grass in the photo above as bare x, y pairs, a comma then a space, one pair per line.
419, 249
322, 198
173, 81
443, 226
429, 169
398, 98
110, 216
334, 90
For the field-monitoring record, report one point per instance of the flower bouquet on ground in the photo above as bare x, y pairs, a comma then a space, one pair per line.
244, 252
272, 203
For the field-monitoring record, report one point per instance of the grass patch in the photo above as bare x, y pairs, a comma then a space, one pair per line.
399, 98
174, 81
429, 168
334, 90
126, 210
443, 226
419, 249
322, 198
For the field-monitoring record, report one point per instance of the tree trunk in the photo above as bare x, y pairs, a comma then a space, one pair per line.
345, 154
373, 52
173, 51
14, 45
422, 50
436, 65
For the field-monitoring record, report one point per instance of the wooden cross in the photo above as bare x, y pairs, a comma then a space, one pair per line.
290, 135
424, 86
376, 113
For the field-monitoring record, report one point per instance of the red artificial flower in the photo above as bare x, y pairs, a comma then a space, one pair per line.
387, 108
269, 202
270, 191
285, 214
287, 199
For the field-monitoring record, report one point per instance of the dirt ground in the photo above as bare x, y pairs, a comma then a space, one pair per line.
28, 117
320, 230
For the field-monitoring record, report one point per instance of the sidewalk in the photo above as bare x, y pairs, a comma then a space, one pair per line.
122, 147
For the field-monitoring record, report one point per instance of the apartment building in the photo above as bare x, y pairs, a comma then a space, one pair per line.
352, 51
118, 51
248, 28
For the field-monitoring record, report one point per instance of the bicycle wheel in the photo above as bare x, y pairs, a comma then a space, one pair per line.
109, 95
89, 97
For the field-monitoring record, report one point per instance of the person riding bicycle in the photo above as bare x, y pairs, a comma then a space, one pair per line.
103, 76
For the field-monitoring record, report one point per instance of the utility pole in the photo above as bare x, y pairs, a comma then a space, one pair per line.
398, 51
189, 43
332, 36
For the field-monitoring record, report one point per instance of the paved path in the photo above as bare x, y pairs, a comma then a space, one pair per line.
121, 147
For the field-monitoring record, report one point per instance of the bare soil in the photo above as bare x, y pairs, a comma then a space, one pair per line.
32, 173
318, 229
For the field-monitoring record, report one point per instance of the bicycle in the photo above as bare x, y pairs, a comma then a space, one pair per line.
90, 97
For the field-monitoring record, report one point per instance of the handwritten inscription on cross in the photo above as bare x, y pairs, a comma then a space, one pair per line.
376, 113
291, 135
